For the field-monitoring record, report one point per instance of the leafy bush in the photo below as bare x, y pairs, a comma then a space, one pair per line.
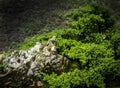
72, 34
93, 18
88, 53
77, 78
94, 77
89, 46
115, 39
64, 45
88, 23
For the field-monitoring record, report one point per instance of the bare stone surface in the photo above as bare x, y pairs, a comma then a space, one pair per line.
40, 58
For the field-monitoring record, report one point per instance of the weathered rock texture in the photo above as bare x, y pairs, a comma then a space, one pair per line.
40, 58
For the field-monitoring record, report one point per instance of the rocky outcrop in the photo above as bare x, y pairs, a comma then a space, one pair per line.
40, 58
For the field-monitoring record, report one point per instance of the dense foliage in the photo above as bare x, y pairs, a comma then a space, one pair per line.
91, 45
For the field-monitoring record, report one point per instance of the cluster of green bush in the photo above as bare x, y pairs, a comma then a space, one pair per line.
91, 43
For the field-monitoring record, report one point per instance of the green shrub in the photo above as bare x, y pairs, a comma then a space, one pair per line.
115, 39
64, 45
76, 78
97, 38
93, 18
89, 23
72, 34
96, 77
87, 53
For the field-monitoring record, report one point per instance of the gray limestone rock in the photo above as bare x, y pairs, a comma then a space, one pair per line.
40, 58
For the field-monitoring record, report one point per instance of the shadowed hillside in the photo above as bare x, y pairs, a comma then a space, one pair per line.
22, 18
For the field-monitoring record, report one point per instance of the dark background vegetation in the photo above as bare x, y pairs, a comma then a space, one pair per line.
23, 18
